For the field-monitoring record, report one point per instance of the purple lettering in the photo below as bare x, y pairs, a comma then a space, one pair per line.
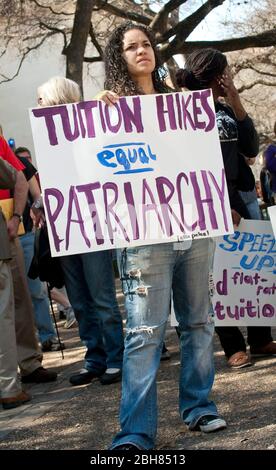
88, 189
74, 199
218, 308
185, 112
180, 177
131, 210
69, 134
109, 211
200, 201
221, 192
52, 217
48, 114
107, 110
179, 112
87, 107
102, 116
197, 110
161, 111
161, 181
205, 94
149, 207
268, 310
132, 116
221, 286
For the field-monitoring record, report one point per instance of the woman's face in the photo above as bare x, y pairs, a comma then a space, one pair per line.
138, 53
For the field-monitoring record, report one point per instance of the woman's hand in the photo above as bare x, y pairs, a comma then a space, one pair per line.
231, 94
109, 97
236, 218
38, 217
225, 81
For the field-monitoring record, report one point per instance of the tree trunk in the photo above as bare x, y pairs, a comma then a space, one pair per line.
75, 50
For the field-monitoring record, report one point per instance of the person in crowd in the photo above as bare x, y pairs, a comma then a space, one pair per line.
11, 392
132, 67
266, 194
43, 321
270, 163
89, 281
208, 68
250, 198
24, 152
28, 351
58, 296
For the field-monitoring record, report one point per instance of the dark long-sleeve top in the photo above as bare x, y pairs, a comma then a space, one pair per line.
238, 139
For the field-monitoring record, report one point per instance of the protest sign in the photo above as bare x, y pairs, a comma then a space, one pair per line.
272, 216
147, 170
244, 276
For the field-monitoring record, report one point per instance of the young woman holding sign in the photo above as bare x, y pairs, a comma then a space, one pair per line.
208, 68
149, 275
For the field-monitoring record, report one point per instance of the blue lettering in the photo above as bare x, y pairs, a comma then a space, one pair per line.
104, 156
132, 158
246, 238
142, 155
227, 239
122, 159
249, 265
127, 155
265, 262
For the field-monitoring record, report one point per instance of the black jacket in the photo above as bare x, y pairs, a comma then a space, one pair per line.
238, 139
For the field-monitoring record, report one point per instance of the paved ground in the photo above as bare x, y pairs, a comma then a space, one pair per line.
64, 417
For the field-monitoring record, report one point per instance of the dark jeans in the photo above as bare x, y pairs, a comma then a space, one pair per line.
233, 341
89, 280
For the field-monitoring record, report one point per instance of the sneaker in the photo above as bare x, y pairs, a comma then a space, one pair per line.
52, 345
17, 400
267, 350
210, 423
239, 360
130, 447
111, 376
39, 375
84, 377
70, 317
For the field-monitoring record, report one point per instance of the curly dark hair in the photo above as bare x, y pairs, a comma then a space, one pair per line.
117, 76
201, 67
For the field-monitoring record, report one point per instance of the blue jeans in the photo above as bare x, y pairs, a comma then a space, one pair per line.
89, 281
251, 203
43, 321
163, 270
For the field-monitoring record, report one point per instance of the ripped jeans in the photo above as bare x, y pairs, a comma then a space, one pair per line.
150, 274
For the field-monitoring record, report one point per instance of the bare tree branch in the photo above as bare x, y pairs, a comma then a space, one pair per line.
24, 55
256, 82
57, 30
129, 15
51, 9
268, 38
91, 60
261, 72
183, 29
95, 42
162, 16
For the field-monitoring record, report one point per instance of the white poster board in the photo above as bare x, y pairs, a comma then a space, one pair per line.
147, 170
272, 216
245, 276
